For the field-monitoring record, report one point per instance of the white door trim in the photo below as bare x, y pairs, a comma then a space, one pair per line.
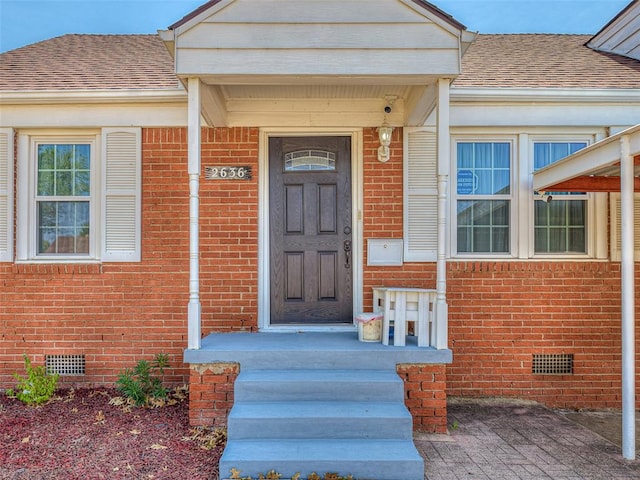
264, 304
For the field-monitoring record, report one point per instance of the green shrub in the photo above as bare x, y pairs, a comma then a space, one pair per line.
37, 387
141, 383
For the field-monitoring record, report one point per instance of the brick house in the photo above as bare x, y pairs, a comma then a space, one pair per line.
219, 192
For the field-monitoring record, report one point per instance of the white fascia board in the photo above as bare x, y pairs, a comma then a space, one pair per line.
167, 35
40, 97
85, 115
577, 95
200, 17
453, 30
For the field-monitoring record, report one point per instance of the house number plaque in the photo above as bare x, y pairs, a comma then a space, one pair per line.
227, 173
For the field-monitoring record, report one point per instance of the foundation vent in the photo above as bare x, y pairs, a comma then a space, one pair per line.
65, 364
552, 364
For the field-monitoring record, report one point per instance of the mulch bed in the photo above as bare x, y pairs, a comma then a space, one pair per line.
81, 435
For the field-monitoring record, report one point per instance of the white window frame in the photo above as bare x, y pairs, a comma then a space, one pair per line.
27, 228
512, 197
522, 198
591, 220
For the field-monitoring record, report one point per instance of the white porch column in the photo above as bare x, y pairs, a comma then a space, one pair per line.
628, 302
194, 213
444, 156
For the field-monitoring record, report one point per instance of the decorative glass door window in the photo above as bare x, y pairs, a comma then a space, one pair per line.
483, 188
63, 199
309, 160
559, 225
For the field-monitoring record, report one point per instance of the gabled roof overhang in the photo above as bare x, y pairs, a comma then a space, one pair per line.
346, 57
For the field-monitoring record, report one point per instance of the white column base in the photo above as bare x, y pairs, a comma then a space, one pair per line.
194, 331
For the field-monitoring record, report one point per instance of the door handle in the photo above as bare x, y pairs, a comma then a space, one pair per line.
347, 253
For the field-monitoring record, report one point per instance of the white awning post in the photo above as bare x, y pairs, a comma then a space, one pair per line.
628, 301
194, 138
443, 152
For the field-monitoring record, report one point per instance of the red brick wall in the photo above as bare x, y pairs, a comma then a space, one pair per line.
211, 393
229, 233
500, 313
118, 313
425, 396
383, 217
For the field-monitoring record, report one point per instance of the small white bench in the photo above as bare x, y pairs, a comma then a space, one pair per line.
402, 305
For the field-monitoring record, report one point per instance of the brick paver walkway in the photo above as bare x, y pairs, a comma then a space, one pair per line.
519, 441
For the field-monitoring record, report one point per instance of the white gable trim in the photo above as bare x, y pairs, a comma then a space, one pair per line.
234, 41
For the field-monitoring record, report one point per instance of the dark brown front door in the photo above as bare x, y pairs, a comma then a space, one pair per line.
310, 230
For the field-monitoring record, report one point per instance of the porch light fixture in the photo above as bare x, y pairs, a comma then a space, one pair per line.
384, 134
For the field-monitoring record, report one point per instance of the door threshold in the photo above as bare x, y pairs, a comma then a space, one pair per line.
306, 328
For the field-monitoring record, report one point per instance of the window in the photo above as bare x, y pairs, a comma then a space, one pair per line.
63, 198
78, 196
560, 225
495, 213
483, 192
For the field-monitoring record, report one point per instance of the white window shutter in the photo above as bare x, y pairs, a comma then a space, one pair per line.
6, 195
420, 195
121, 203
616, 240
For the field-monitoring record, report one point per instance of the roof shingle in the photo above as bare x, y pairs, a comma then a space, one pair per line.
136, 62
544, 61
89, 62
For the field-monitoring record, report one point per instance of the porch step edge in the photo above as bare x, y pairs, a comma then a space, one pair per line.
318, 385
313, 419
363, 459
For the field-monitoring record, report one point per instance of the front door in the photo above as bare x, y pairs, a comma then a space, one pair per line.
310, 230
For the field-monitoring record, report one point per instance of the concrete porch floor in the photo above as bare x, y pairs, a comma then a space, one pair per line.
292, 350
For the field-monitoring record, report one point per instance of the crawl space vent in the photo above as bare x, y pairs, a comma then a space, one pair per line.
65, 364
553, 364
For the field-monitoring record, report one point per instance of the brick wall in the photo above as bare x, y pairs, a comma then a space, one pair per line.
118, 313
211, 393
501, 313
229, 233
383, 217
425, 395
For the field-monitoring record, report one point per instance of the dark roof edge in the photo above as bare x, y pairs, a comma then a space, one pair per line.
440, 13
620, 13
422, 3
193, 14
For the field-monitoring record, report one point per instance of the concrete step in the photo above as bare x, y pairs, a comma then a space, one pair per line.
363, 459
314, 419
318, 385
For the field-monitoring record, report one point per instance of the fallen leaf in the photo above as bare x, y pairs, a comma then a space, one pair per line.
134, 432
26, 439
157, 446
74, 410
99, 417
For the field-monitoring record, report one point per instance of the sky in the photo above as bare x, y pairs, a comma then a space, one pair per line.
23, 22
